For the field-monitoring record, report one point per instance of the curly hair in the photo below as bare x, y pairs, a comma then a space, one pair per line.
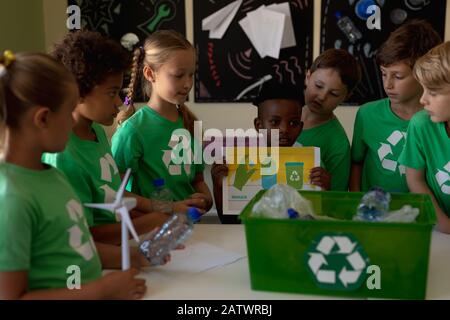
91, 58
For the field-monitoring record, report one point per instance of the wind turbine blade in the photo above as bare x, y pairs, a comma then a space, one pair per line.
103, 206
126, 219
121, 190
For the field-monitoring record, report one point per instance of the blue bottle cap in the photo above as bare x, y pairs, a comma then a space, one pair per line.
194, 214
158, 182
292, 213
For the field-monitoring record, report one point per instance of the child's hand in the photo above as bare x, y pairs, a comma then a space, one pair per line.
123, 285
136, 260
183, 206
202, 201
218, 172
320, 177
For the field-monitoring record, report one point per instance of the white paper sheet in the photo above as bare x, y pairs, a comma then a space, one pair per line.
271, 26
265, 29
218, 22
245, 25
289, 34
199, 257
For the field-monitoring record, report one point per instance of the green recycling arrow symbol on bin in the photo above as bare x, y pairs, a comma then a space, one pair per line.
294, 176
337, 262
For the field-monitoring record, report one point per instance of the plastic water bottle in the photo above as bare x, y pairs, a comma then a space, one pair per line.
348, 27
175, 231
277, 201
292, 214
162, 199
374, 205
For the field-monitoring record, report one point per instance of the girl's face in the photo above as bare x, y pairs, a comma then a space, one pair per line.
60, 123
399, 83
324, 91
174, 79
436, 103
102, 104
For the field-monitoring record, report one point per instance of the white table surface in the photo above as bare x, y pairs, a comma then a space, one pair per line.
232, 281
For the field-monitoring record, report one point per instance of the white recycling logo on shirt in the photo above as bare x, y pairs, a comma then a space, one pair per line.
386, 149
169, 155
76, 214
337, 262
107, 164
443, 177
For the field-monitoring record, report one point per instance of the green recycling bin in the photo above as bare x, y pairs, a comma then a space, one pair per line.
341, 257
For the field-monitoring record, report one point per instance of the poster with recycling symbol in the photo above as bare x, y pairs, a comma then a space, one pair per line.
337, 262
251, 169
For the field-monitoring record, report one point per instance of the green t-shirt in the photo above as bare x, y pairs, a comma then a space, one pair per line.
334, 146
428, 148
378, 140
43, 229
143, 143
92, 171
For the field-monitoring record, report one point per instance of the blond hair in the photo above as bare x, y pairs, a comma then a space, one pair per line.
157, 49
31, 79
433, 69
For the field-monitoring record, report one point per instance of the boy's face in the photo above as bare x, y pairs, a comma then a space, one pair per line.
174, 79
436, 103
102, 104
281, 114
324, 91
399, 83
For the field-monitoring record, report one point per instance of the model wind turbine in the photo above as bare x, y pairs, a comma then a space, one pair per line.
121, 206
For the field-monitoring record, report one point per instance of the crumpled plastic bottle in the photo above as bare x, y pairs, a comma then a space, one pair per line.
374, 205
294, 215
277, 201
174, 231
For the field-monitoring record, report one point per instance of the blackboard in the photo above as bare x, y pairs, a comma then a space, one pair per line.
116, 18
393, 14
131, 21
227, 66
